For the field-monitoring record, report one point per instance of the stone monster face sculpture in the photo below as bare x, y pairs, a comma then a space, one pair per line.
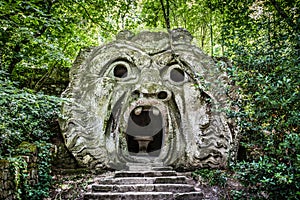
149, 98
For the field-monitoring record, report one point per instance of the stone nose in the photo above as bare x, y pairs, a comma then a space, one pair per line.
151, 85
150, 75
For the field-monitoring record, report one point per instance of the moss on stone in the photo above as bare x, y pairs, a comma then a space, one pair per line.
26, 147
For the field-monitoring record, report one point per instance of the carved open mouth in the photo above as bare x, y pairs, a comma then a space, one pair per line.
144, 132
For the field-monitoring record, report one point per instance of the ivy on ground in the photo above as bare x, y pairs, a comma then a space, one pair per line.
27, 116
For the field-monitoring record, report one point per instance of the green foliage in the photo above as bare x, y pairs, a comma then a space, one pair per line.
26, 116
49, 34
212, 176
17, 165
263, 41
268, 178
41, 189
198, 17
41, 38
24, 189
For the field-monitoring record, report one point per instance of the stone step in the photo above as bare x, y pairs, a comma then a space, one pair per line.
144, 188
189, 196
171, 179
163, 168
144, 196
144, 173
139, 168
146, 180
148, 167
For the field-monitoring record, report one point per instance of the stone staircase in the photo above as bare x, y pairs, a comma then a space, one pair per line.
146, 183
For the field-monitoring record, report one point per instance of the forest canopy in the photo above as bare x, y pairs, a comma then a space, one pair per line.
40, 39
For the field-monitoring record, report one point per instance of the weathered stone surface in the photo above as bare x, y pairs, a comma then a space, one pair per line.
147, 180
144, 188
189, 196
144, 173
10, 174
144, 196
129, 196
147, 98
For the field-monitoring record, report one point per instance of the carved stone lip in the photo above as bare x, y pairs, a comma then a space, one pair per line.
147, 104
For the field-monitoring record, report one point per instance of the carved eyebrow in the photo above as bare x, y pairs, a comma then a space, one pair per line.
125, 59
164, 59
173, 62
109, 62
182, 64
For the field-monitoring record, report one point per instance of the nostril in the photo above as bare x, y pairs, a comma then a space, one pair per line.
162, 95
135, 93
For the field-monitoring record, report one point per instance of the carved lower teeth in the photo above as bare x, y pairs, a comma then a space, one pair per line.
155, 111
138, 111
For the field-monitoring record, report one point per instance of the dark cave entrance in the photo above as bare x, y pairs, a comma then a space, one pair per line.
144, 132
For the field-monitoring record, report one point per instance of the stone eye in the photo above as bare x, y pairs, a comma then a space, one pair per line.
177, 75
120, 70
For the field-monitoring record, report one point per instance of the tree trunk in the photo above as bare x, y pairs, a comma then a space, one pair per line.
166, 13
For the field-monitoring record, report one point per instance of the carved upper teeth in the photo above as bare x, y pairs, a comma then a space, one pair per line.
155, 111
138, 110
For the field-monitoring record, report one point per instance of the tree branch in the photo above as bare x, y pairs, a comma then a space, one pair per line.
166, 14
42, 80
89, 16
284, 15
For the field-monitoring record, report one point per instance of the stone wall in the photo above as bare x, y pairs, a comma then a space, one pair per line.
18, 171
7, 185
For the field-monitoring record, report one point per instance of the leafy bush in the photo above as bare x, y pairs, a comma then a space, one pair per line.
212, 177
268, 178
264, 47
25, 116
30, 117
16, 165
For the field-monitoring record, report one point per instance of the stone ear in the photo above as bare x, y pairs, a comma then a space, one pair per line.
125, 35
181, 36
